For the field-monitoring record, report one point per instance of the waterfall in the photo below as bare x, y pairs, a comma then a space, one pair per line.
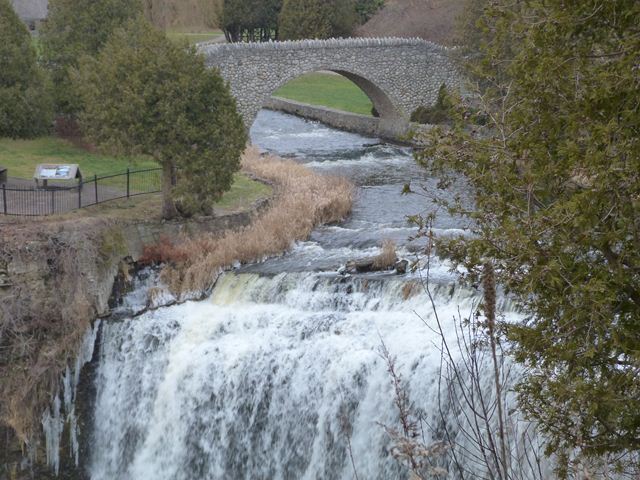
273, 377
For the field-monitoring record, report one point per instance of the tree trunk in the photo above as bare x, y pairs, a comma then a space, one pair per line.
169, 210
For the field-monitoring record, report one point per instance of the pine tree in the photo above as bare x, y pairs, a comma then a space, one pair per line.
249, 20
301, 19
25, 103
556, 182
144, 95
75, 28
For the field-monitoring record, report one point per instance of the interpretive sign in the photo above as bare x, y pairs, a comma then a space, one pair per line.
48, 171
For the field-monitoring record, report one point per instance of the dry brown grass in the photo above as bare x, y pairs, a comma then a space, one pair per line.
387, 258
44, 313
433, 20
182, 13
303, 200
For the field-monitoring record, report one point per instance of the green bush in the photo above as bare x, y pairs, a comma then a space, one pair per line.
144, 95
75, 28
25, 102
437, 114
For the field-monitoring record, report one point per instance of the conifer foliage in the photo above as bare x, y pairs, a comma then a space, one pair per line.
301, 19
144, 95
249, 20
75, 28
556, 176
25, 104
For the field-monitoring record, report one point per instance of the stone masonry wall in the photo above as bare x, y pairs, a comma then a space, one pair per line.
350, 122
398, 74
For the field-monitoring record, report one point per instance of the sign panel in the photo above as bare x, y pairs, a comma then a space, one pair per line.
57, 172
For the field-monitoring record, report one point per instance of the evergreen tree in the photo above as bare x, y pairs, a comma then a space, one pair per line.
25, 103
144, 95
75, 28
300, 19
556, 178
249, 20
367, 9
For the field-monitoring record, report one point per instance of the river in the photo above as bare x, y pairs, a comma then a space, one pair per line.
279, 374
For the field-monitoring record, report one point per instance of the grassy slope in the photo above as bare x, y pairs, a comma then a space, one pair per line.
22, 156
243, 193
329, 90
192, 36
433, 20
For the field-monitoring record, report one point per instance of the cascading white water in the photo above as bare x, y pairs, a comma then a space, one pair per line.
278, 375
271, 378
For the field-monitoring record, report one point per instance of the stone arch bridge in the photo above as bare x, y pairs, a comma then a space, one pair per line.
397, 74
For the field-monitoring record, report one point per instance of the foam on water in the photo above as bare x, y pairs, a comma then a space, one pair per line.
271, 378
278, 375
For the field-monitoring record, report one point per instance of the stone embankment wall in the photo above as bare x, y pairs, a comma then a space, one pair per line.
351, 122
397, 74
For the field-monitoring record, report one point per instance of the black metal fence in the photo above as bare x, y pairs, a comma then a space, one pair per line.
55, 199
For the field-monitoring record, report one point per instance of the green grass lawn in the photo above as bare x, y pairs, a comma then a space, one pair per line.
328, 90
22, 156
192, 37
243, 193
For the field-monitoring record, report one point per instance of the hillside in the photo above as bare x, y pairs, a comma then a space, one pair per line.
429, 19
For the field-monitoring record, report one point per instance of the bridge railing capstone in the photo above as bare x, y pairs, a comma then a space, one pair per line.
209, 47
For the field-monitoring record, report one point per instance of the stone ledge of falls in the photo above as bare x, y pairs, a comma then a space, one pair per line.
62, 274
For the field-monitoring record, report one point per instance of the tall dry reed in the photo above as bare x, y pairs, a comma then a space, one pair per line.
303, 199
387, 258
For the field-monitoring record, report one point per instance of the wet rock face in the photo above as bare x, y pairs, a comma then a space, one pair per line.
397, 74
401, 266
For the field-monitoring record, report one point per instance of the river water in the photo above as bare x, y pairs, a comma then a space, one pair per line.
279, 374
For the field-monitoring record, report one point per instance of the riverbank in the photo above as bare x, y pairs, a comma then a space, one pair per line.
303, 200
58, 275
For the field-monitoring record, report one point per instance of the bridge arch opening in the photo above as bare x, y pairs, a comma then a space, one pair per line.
339, 90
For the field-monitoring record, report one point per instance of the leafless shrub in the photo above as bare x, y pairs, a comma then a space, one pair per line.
409, 447
486, 440
477, 436
44, 313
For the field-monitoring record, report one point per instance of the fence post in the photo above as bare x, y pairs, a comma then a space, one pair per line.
53, 202
95, 184
127, 182
4, 198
